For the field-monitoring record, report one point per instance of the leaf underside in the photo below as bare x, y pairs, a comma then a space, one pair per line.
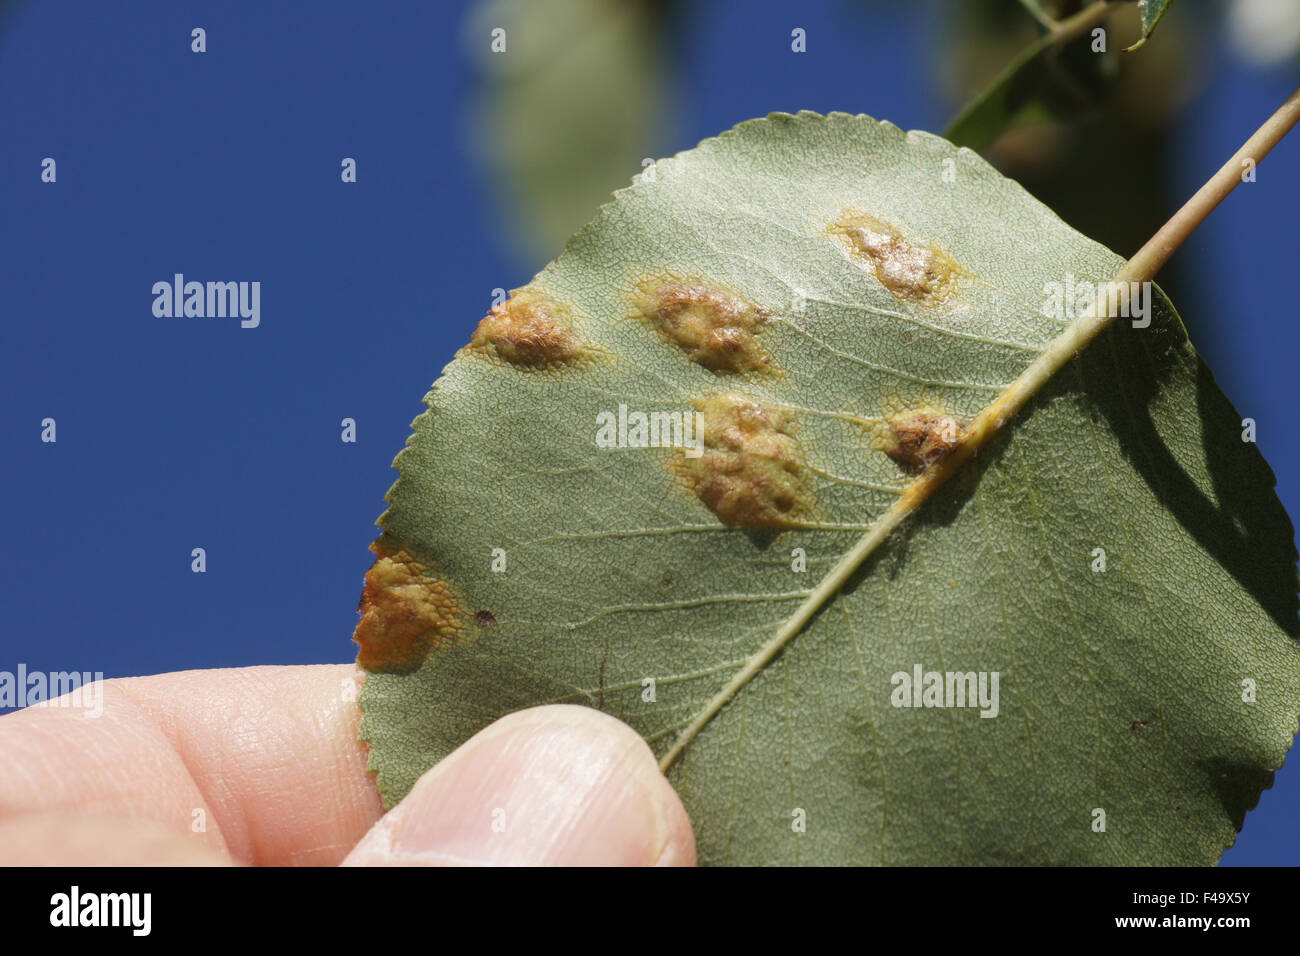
1120, 690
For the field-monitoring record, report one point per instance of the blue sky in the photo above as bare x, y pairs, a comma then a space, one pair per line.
183, 433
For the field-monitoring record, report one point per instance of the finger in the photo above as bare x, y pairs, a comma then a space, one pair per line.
261, 764
558, 785
71, 838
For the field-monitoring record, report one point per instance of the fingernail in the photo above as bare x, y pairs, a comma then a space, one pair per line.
551, 786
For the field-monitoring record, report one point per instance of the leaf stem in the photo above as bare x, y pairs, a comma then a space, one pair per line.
1142, 267
1063, 31
1039, 14
1148, 260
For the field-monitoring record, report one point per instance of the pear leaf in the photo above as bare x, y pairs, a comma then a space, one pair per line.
1080, 650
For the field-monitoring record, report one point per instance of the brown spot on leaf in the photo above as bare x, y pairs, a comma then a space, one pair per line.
485, 618
750, 472
711, 325
529, 330
912, 271
916, 438
405, 612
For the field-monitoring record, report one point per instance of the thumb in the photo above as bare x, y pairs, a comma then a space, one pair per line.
560, 785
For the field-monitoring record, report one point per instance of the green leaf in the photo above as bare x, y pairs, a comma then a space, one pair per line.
1008, 102
868, 291
1057, 76
569, 107
1150, 11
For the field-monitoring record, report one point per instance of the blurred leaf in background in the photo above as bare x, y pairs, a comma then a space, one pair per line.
1086, 131
1053, 72
573, 101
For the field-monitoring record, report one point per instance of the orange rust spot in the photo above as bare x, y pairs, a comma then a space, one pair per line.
919, 437
914, 272
529, 330
713, 326
751, 470
405, 612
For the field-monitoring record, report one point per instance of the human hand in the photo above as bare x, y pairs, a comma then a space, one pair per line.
262, 765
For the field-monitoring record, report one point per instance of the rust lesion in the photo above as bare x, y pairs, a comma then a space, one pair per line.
530, 330
406, 611
919, 436
751, 470
714, 326
911, 271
